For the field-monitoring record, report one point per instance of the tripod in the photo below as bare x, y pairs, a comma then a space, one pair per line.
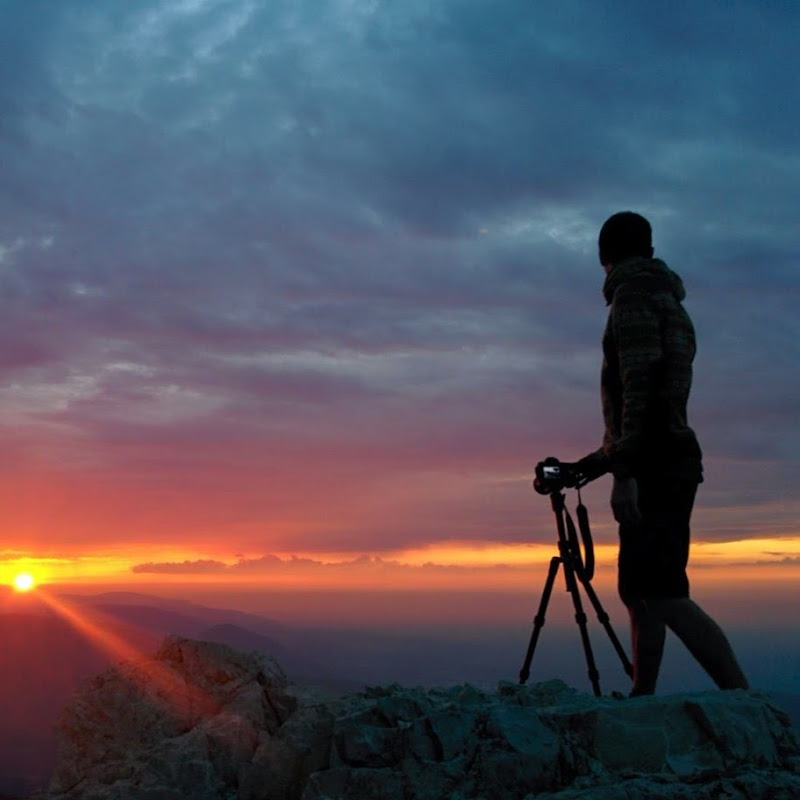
574, 571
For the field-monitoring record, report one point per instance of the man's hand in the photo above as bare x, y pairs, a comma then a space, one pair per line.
593, 466
625, 501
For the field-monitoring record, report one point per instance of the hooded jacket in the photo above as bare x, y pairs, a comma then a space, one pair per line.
648, 349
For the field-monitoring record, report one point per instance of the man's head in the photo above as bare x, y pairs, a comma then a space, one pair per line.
624, 235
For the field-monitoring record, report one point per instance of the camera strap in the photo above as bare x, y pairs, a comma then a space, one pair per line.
585, 562
586, 535
574, 544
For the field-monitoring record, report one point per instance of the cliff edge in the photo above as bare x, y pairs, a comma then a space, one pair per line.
200, 721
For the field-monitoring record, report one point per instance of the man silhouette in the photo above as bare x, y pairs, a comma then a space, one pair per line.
656, 461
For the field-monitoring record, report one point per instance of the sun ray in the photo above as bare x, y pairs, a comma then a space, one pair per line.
162, 683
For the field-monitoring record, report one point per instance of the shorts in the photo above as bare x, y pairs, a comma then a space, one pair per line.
653, 554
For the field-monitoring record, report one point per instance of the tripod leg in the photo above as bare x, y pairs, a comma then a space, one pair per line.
580, 618
604, 620
538, 620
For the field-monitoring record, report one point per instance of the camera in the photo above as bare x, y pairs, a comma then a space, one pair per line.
553, 475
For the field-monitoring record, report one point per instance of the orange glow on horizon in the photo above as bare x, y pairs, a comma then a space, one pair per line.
455, 564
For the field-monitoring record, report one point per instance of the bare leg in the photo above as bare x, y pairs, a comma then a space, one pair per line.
704, 639
648, 632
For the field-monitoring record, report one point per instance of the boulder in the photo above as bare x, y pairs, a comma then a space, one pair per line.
202, 721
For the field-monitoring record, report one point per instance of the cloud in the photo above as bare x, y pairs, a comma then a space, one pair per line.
199, 567
358, 573
264, 260
271, 563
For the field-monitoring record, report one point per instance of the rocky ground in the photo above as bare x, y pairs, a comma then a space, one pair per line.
203, 722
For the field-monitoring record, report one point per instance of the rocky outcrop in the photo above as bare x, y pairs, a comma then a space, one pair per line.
202, 722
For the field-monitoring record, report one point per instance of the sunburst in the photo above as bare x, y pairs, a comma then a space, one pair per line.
24, 582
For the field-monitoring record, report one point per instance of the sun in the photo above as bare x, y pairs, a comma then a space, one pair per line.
24, 582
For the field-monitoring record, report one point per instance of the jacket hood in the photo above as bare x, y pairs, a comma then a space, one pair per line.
652, 274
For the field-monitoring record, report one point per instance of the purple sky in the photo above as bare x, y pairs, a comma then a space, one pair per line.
321, 275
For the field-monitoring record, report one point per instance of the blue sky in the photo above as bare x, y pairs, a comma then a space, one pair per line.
322, 276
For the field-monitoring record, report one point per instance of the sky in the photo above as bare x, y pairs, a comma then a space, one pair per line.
308, 287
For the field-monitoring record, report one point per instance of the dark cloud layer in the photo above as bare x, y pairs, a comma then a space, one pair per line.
323, 274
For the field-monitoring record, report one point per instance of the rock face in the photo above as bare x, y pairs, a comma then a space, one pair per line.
203, 722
